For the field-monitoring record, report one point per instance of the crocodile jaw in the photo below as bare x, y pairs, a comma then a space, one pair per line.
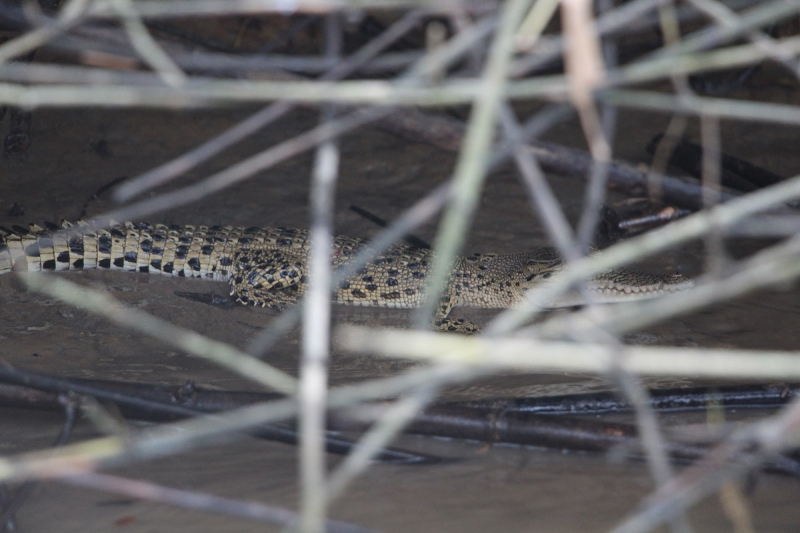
624, 286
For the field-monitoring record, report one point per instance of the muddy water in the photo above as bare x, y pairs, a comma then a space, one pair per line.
75, 153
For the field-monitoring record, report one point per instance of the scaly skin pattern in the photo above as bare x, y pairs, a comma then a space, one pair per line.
268, 266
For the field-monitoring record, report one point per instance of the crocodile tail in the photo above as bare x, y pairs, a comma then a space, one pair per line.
35, 248
78, 246
188, 251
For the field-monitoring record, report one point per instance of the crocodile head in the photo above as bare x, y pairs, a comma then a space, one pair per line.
498, 281
616, 285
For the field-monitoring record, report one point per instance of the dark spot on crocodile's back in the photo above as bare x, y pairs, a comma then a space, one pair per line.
104, 244
394, 295
130, 257
194, 264
104, 263
63, 257
358, 293
225, 261
50, 264
78, 263
76, 246
119, 262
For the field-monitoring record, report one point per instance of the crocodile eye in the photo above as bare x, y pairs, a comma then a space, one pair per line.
531, 262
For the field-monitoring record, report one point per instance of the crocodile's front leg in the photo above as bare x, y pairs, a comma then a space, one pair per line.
267, 278
456, 325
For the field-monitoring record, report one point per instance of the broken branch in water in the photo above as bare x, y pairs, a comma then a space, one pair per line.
525, 421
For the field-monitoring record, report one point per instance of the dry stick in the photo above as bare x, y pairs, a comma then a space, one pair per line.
720, 107
317, 316
595, 194
728, 57
471, 167
256, 67
197, 501
163, 173
496, 354
205, 8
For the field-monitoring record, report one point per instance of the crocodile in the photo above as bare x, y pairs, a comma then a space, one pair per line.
268, 266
